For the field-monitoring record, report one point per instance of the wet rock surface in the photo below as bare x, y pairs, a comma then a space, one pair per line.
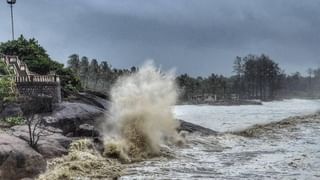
193, 128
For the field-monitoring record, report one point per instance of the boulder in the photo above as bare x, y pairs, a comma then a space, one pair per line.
86, 130
18, 160
69, 116
11, 109
52, 144
193, 128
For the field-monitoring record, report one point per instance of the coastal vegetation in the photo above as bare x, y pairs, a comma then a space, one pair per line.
7, 87
254, 76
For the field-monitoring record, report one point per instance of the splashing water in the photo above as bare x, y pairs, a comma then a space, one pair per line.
141, 114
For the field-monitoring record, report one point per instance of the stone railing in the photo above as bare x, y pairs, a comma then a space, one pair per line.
37, 78
22, 72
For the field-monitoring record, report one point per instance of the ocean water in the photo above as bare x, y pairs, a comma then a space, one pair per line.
291, 152
230, 118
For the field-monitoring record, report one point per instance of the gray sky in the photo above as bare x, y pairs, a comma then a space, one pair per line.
194, 36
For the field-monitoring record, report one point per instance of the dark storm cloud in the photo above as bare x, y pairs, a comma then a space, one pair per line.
198, 37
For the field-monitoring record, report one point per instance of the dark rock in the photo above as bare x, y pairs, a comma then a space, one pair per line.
193, 128
18, 160
36, 105
69, 116
99, 143
53, 144
88, 97
86, 130
94, 100
11, 109
98, 94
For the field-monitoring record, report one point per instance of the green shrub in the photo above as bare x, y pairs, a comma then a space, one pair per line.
6, 89
14, 120
3, 69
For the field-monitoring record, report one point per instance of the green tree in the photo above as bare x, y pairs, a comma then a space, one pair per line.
104, 74
94, 72
69, 80
261, 76
7, 84
74, 63
84, 69
32, 53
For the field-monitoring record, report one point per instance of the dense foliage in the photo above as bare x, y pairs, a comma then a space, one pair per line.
7, 90
94, 75
32, 53
256, 77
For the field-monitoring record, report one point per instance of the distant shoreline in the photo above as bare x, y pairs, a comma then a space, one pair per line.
239, 102
223, 103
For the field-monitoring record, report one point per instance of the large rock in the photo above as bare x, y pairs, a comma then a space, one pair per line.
9, 110
52, 144
86, 130
18, 160
69, 116
92, 99
193, 128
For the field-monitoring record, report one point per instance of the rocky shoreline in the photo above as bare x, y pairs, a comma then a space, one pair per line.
77, 119
68, 121
270, 128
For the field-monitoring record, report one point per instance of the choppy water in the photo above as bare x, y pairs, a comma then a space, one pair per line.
287, 153
229, 118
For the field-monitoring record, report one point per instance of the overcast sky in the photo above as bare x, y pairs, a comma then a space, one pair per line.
194, 36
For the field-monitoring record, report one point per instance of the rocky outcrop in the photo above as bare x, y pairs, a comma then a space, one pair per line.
69, 116
193, 128
18, 160
88, 97
93, 99
53, 144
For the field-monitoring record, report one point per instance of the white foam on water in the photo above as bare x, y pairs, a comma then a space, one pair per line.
292, 153
230, 118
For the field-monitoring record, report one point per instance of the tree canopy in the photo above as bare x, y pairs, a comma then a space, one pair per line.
32, 53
